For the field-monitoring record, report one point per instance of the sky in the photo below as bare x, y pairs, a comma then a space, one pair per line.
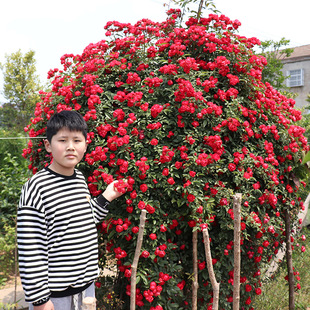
58, 27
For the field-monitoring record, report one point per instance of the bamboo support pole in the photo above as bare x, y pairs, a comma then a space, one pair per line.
289, 261
134, 265
215, 285
195, 270
237, 257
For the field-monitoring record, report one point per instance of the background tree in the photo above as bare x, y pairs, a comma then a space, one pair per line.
274, 52
20, 89
303, 172
305, 122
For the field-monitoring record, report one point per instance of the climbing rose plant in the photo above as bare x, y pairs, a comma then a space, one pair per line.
181, 117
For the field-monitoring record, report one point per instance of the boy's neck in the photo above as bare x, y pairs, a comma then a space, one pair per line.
65, 171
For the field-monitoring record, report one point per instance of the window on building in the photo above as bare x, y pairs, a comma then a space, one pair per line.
295, 78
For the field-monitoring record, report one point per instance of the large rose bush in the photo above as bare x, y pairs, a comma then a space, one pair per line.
180, 115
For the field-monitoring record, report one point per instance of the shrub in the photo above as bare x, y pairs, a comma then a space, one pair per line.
11, 146
181, 114
13, 173
7, 247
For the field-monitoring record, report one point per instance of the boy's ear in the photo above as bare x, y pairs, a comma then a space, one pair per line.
86, 145
47, 146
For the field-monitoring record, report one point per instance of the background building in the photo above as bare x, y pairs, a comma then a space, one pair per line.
297, 68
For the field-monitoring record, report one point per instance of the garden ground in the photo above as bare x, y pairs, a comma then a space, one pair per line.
7, 295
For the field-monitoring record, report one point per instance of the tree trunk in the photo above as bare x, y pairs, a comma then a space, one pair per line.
15, 266
200, 8
215, 285
136, 260
289, 261
237, 257
195, 270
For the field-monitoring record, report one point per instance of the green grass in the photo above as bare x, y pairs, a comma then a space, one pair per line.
275, 293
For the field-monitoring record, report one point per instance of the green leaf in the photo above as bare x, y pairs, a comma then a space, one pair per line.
306, 158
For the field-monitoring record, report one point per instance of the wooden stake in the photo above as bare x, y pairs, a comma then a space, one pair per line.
134, 265
289, 261
237, 257
89, 303
215, 285
195, 270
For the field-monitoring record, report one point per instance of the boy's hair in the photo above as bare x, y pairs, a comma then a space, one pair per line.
71, 120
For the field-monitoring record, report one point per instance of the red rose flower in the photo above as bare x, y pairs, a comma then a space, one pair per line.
181, 285
190, 197
143, 188
171, 181
145, 254
152, 236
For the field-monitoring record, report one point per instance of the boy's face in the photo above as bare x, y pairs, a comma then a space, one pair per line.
68, 148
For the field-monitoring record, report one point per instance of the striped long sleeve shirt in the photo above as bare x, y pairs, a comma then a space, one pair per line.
56, 233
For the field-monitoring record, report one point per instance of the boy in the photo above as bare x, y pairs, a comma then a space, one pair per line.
56, 222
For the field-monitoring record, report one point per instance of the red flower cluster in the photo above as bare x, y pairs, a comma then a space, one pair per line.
154, 290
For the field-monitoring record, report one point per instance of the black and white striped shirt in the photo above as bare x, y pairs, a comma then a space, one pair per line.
56, 233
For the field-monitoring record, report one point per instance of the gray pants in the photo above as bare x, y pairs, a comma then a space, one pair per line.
71, 302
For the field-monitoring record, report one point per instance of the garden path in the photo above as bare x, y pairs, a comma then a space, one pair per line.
7, 296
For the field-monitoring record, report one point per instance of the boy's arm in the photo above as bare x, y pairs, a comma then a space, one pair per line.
32, 250
101, 203
47, 306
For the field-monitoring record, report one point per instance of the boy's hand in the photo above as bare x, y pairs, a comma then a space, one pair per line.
112, 192
47, 306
